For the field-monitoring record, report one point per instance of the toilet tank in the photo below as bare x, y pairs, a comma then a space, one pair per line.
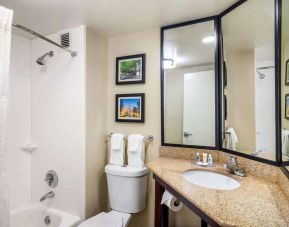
127, 188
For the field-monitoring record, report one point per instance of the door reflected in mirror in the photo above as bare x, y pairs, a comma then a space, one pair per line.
189, 85
249, 123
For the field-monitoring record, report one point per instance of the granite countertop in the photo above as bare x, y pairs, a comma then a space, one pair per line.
255, 203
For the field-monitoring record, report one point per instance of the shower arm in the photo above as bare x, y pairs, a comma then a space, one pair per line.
266, 67
73, 53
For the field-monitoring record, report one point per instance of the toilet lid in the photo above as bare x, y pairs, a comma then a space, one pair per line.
111, 219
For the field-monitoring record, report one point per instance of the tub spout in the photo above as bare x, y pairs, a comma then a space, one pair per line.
47, 196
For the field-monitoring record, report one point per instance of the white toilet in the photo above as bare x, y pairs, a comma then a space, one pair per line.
127, 188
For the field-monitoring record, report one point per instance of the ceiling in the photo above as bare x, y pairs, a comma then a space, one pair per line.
110, 17
184, 45
254, 33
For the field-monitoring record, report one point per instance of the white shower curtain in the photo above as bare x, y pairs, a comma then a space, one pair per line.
5, 45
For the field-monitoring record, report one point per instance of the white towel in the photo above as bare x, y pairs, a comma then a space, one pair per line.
232, 139
117, 149
136, 151
285, 142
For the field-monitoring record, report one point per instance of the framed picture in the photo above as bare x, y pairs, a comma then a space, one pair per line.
130, 107
287, 106
287, 73
130, 69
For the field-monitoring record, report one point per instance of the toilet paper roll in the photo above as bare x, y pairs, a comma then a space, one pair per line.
171, 202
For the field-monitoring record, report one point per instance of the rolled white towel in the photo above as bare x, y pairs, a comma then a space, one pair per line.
232, 139
117, 148
285, 142
136, 151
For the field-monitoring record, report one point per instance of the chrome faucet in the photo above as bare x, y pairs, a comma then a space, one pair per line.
233, 167
48, 195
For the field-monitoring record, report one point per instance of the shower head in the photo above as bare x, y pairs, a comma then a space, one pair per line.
41, 60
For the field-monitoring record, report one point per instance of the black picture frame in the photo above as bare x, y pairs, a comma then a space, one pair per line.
135, 96
287, 73
141, 80
286, 107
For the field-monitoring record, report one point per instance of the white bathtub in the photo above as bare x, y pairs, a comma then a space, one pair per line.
33, 215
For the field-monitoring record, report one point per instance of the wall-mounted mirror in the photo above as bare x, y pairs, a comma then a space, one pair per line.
188, 81
249, 125
285, 81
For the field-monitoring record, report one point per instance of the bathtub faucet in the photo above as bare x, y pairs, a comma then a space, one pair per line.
48, 195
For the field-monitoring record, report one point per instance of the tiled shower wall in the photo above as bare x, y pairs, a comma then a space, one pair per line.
58, 121
53, 96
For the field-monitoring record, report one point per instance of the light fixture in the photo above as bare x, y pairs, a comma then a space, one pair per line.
208, 39
168, 63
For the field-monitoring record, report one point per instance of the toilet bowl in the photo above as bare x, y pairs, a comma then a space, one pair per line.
127, 188
110, 219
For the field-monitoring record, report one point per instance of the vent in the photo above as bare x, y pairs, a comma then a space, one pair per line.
64, 39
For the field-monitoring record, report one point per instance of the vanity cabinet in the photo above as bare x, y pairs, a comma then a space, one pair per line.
162, 211
258, 201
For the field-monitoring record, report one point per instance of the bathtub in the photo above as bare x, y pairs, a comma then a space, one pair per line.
35, 215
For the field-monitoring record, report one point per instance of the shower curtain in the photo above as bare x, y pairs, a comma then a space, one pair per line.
5, 44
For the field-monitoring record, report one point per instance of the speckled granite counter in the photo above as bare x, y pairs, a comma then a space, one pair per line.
255, 203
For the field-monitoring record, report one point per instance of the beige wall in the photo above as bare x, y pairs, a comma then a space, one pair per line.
96, 91
147, 42
241, 97
174, 100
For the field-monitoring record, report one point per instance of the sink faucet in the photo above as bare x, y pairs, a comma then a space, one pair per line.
233, 167
47, 195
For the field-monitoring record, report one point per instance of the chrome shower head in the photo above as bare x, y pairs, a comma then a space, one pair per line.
41, 60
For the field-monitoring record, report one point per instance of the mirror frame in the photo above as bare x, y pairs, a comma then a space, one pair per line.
278, 35
277, 31
218, 78
216, 53
285, 171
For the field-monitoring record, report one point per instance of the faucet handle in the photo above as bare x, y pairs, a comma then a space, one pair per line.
51, 178
233, 159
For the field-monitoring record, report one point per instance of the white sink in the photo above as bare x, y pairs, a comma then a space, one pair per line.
211, 180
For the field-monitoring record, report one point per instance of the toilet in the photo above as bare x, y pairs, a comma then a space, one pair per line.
127, 189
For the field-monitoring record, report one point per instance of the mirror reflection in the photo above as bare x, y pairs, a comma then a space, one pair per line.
249, 79
189, 84
285, 81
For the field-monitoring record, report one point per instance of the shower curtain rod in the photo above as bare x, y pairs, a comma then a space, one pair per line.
73, 53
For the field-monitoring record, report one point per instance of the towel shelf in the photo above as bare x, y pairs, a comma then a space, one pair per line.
148, 138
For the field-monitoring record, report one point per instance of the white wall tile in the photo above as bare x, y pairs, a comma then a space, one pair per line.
58, 121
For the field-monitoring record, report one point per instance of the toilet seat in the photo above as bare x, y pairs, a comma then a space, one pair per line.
110, 219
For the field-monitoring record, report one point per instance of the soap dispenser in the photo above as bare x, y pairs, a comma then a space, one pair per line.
210, 160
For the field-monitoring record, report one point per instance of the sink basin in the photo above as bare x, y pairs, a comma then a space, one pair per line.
211, 180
